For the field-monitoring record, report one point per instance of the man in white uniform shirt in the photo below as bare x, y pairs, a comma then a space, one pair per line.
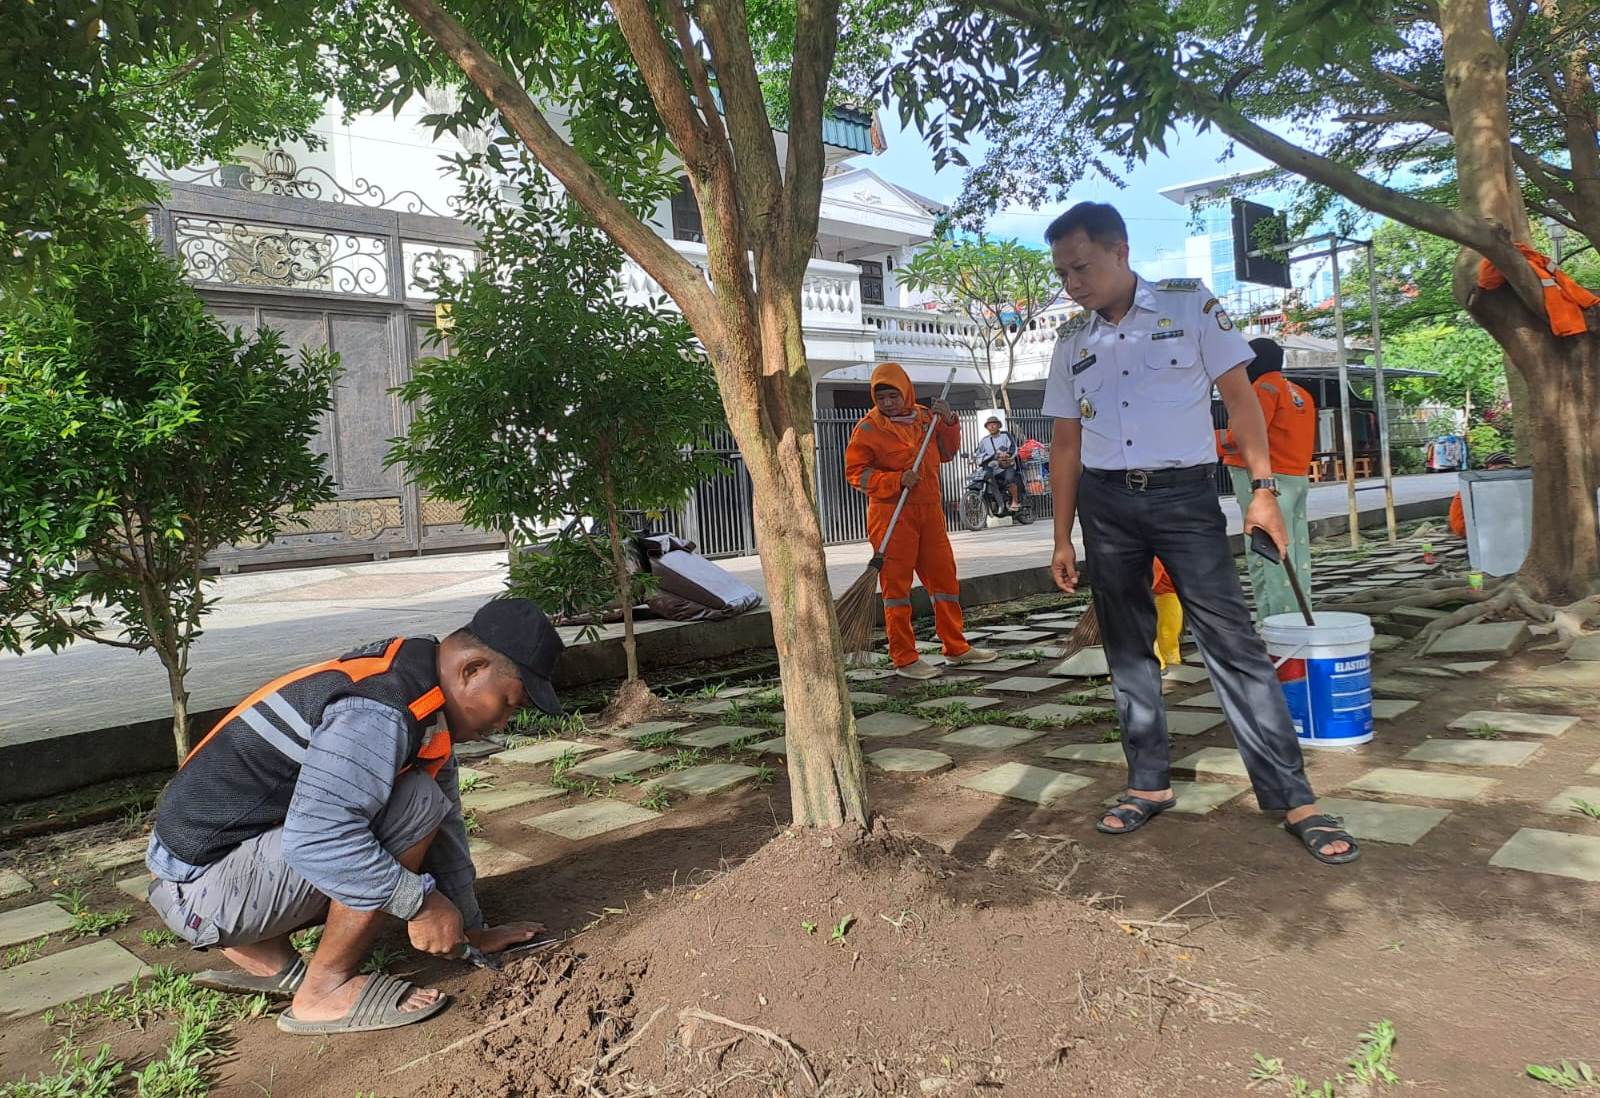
1133, 456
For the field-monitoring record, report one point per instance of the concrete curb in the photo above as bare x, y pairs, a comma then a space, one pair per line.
57, 764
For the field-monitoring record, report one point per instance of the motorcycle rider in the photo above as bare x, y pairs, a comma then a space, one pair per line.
998, 446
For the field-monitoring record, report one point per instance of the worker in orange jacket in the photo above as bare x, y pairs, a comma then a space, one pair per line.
878, 463
1169, 616
1291, 417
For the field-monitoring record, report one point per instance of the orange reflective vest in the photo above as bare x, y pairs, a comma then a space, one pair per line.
1291, 417
1564, 299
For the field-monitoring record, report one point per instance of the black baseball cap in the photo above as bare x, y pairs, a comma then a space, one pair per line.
521, 632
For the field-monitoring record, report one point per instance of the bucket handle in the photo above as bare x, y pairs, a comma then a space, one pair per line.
1280, 662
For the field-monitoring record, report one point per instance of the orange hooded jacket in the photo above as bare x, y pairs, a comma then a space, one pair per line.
1564, 300
880, 449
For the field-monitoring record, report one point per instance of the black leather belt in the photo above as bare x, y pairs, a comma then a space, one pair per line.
1138, 480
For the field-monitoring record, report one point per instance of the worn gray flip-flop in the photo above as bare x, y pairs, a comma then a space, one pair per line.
377, 1007
282, 985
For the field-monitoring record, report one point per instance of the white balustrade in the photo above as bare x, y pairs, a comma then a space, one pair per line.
830, 296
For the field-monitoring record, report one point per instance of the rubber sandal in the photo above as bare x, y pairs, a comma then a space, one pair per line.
282, 985
1134, 812
377, 1007
1317, 832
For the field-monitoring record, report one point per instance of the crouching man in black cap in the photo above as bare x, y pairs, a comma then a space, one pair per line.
330, 796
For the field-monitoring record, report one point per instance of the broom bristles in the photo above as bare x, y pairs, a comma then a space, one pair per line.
855, 611
1086, 634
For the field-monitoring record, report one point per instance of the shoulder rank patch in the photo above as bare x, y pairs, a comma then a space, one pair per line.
1185, 284
1206, 308
1073, 324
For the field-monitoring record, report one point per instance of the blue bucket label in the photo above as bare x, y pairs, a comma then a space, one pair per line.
1330, 699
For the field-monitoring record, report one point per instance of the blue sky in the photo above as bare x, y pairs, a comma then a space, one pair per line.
1154, 222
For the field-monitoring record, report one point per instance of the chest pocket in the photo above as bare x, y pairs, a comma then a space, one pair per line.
1173, 374
1095, 395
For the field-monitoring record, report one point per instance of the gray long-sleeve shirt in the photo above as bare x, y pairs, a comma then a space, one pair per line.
346, 780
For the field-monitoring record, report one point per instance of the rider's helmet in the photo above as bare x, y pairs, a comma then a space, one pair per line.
993, 418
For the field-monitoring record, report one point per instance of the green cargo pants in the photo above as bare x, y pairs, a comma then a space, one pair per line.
1269, 583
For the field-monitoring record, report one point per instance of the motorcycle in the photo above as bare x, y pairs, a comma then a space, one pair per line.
985, 496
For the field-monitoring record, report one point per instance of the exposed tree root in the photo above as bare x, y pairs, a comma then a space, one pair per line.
1426, 596
1511, 599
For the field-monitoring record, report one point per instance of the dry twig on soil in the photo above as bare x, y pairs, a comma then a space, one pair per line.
771, 1039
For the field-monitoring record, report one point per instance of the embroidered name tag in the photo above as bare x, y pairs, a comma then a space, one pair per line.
1083, 364
1168, 335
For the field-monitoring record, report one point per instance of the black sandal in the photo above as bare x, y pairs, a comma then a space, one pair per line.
1317, 832
1134, 812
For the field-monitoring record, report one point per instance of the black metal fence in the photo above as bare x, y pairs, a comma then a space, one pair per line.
718, 514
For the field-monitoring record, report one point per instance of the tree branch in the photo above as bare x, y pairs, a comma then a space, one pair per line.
1519, 19
699, 78
688, 129
676, 275
758, 182
816, 39
1439, 120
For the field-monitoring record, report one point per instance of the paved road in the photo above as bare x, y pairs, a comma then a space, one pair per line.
266, 623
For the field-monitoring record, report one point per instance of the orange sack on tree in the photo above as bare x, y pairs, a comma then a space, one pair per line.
880, 450
1564, 299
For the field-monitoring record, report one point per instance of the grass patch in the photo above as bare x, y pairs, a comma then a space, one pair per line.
159, 939
22, 954
1586, 808
765, 775
651, 740
469, 818
958, 715
380, 960
1111, 735
474, 781
531, 726
656, 800
932, 690
86, 923
1484, 732
1370, 1069
1566, 1076
307, 940
74, 1077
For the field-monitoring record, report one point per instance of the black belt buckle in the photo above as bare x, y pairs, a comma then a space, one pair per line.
1137, 480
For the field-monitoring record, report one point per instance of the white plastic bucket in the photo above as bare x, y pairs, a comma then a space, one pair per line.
1326, 673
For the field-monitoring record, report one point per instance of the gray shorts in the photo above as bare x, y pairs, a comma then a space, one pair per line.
252, 894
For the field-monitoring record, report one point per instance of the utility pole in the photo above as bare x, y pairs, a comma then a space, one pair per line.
1379, 396
1344, 397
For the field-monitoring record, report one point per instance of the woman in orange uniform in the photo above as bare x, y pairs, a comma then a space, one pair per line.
878, 463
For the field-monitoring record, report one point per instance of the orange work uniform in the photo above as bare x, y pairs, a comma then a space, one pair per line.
880, 450
1458, 517
1291, 417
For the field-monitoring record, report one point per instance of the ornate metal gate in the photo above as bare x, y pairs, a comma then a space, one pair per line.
268, 246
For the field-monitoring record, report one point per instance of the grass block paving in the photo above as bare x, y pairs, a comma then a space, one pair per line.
971, 701
619, 764
105, 858
1223, 761
1057, 713
1022, 782
1023, 684
1495, 638
1422, 783
718, 735
991, 737
512, 795
12, 884
1472, 753
1564, 803
889, 725
1536, 851
1528, 724
1110, 754
910, 760
588, 820
535, 754
702, 781
34, 921
66, 976
1381, 822
648, 728
495, 861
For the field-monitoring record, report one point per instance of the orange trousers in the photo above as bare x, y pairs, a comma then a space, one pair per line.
919, 545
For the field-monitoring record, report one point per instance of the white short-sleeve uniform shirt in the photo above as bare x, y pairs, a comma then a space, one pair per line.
1142, 388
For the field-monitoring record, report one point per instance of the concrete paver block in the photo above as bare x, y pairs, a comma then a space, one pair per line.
1383, 643
115, 856
1005, 664
596, 817
1473, 752
1086, 663
1418, 615
1471, 667
713, 708
1022, 636
1428, 671
1182, 672
1422, 783
12, 884
495, 861
618, 764
867, 697
1387, 709
1595, 769
702, 781
869, 674
1197, 798
1585, 649
1180, 723
1382, 822
1537, 851
137, 886
1023, 684
1110, 754
1398, 686
1565, 802
1057, 713
535, 754
777, 746
499, 798
34, 921
1193, 658
1214, 761
1493, 638
1104, 693
971, 701
647, 728
66, 976
991, 737
1528, 724
1022, 782
889, 725
1208, 700
468, 775
718, 735
910, 760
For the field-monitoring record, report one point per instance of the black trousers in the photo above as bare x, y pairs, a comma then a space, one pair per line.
1123, 529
